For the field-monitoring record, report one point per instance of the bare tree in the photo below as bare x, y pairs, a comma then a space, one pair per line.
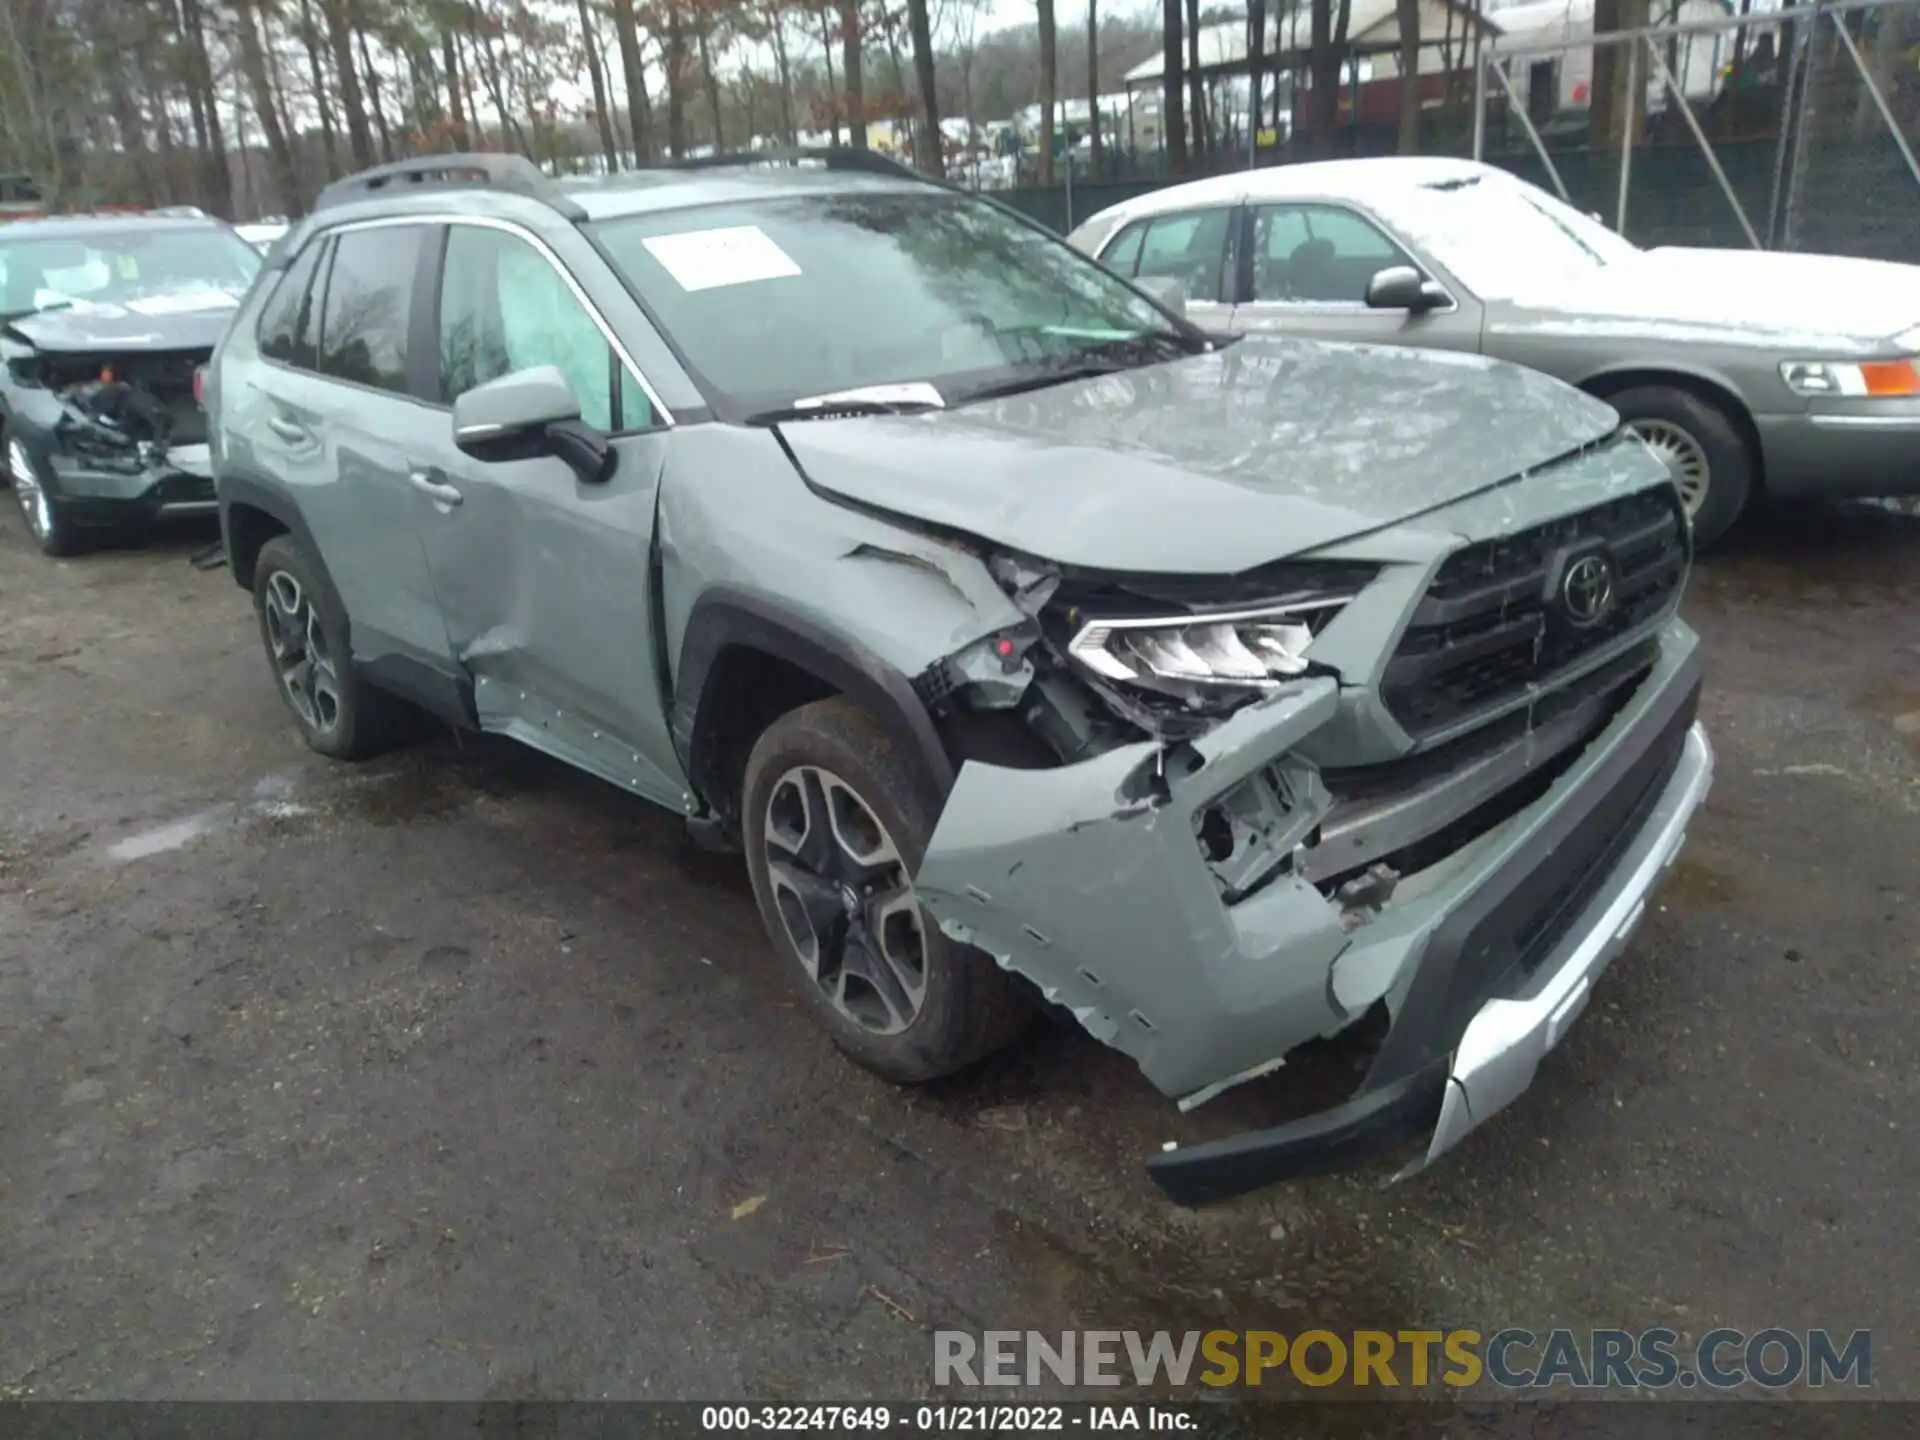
851, 78
1196, 83
602, 115
1049, 90
927, 150
1173, 120
1407, 12
639, 118
253, 64
1256, 66
1093, 85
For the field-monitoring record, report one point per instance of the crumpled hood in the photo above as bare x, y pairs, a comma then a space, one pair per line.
1760, 297
1212, 464
184, 320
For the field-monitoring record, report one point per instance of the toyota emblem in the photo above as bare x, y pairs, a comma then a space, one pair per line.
1586, 590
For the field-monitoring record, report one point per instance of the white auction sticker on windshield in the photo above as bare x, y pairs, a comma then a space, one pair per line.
708, 259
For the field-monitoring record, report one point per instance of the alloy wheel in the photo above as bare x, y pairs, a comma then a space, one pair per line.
26, 489
301, 653
1684, 457
844, 899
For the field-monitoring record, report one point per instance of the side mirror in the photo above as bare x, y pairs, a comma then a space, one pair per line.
1167, 290
1401, 287
530, 412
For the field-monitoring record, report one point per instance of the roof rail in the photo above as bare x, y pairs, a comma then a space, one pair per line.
513, 173
830, 157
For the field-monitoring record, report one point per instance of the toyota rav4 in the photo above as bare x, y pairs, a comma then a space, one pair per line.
1026, 640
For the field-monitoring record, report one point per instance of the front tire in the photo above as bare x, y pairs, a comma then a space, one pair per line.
47, 523
304, 630
1709, 459
837, 819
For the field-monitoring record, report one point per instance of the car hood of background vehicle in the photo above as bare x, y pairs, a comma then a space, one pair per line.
186, 320
1767, 298
1212, 464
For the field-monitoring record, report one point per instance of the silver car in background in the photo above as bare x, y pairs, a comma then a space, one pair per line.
1744, 370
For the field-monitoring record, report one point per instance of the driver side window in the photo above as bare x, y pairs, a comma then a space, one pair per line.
504, 307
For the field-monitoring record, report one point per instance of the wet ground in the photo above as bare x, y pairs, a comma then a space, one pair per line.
457, 1075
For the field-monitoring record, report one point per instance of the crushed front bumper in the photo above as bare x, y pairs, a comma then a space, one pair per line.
1495, 1058
97, 485
1087, 880
164, 484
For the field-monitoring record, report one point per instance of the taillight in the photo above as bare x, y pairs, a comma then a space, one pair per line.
199, 385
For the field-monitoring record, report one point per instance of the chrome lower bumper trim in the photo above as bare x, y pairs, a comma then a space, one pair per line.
1505, 1042
191, 507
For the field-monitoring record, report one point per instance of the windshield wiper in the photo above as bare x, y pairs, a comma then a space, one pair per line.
1109, 357
1039, 377
897, 399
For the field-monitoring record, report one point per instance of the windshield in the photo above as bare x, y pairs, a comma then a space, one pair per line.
1504, 238
127, 268
773, 301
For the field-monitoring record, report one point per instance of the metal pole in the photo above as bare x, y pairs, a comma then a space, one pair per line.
1798, 166
1627, 132
1776, 209
1526, 123
1069, 159
1713, 160
1879, 100
1479, 104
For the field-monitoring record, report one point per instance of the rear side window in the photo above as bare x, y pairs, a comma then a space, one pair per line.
369, 308
289, 323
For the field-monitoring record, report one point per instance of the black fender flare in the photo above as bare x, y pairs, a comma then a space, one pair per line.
233, 490
726, 616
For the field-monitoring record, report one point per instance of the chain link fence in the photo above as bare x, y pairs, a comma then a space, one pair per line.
1786, 129
1793, 128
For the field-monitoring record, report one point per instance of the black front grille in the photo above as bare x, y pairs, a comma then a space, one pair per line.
1486, 632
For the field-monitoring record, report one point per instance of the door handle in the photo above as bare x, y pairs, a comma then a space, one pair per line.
287, 430
426, 484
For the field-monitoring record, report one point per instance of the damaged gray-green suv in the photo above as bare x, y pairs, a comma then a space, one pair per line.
1027, 640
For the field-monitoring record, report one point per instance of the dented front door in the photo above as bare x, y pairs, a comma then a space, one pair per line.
544, 583
545, 579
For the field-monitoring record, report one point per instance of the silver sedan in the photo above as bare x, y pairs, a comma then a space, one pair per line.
1744, 370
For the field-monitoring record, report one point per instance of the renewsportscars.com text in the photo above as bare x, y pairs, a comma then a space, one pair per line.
1511, 1358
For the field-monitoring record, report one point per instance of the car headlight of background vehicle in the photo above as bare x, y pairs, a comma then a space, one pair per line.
1847, 379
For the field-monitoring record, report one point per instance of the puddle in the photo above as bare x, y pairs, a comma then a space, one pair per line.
270, 802
166, 837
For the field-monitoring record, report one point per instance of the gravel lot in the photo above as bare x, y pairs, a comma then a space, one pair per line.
456, 1075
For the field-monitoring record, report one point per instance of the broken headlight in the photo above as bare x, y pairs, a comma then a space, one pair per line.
1257, 649
1203, 648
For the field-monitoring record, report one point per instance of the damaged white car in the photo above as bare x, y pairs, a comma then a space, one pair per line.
1023, 637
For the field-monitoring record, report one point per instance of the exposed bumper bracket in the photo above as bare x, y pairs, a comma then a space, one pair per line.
1496, 1057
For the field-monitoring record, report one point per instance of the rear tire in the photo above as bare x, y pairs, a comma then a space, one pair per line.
1709, 458
304, 629
837, 818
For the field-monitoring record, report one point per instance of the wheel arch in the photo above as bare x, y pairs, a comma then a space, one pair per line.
745, 661
1700, 384
250, 516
